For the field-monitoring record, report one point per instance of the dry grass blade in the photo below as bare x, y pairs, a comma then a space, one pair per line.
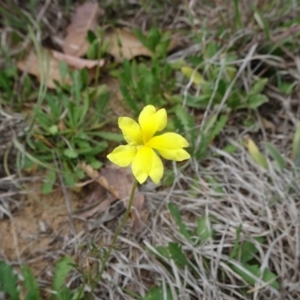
10, 125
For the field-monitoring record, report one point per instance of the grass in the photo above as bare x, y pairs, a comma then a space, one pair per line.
223, 225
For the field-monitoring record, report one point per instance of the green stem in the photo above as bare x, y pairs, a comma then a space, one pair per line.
121, 225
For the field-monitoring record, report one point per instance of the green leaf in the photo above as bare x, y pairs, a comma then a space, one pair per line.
258, 15
53, 129
258, 86
187, 122
210, 123
211, 129
82, 144
55, 108
268, 276
65, 294
197, 102
254, 152
153, 38
182, 227
218, 126
69, 177
190, 73
161, 49
286, 88
229, 148
159, 293
31, 285
96, 149
43, 120
254, 101
141, 37
61, 271
78, 294
202, 150
163, 251
237, 14
79, 173
296, 146
132, 103
211, 49
276, 155
214, 184
234, 253
95, 164
247, 251
168, 178
8, 281
91, 36
110, 136
231, 72
49, 181
83, 109
63, 70
180, 258
204, 229
70, 153
5, 81
252, 269
76, 88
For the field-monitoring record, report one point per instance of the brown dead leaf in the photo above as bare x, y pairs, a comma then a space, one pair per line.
61, 125
47, 67
118, 181
121, 179
99, 178
75, 62
83, 20
268, 125
87, 212
95, 204
123, 44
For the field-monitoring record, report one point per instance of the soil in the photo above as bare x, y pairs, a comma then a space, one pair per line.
40, 230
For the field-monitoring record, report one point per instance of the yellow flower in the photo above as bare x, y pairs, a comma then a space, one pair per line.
140, 151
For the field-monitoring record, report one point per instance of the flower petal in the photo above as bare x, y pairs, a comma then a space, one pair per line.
147, 163
122, 155
169, 140
152, 121
178, 154
170, 145
131, 131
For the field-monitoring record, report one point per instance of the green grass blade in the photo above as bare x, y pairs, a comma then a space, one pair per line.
276, 155
176, 215
31, 285
62, 269
237, 14
8, 281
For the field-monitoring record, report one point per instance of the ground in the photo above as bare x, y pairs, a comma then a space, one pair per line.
221, 225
